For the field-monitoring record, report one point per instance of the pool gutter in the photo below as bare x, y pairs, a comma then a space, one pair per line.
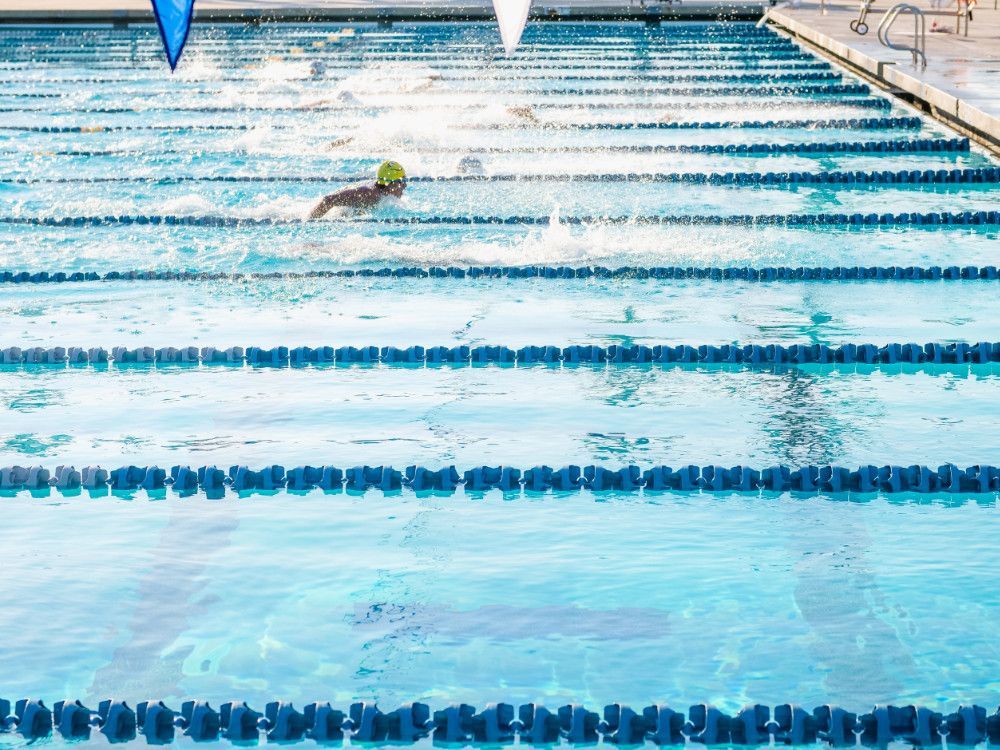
971, 121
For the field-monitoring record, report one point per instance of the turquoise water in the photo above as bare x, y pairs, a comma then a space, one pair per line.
636, 598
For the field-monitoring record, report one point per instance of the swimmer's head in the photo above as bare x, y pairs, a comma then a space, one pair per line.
470, 165
391, 177
317, 68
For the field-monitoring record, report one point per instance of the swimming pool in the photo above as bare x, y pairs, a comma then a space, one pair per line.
627, 178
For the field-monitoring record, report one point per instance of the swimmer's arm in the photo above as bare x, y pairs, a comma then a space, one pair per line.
359, 197
325, 205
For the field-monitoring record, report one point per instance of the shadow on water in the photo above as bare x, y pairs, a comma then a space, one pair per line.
170, 596
836, 589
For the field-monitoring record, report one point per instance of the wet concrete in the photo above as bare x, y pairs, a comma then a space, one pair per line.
962, 77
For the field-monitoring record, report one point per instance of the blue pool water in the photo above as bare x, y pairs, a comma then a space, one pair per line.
642, 598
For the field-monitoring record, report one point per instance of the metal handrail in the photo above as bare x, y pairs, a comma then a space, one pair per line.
919, 46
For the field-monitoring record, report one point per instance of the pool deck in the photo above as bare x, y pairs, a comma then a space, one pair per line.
961, 82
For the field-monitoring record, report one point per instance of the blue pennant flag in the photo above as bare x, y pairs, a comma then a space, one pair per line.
174, 19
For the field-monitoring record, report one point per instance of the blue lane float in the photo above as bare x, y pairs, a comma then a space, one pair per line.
215, 482
970, 176
755, 355
852, 123
658, 273
157, 723
927, 220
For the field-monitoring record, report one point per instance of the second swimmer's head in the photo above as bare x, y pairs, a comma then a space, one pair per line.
391, 178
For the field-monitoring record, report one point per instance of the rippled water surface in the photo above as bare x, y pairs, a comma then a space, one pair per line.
578, 598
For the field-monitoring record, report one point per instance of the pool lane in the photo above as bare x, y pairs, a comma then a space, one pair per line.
517, 312
332, 244
340, 599
627, 198
470, 416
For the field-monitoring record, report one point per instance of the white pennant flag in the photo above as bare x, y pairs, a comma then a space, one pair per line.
512, 15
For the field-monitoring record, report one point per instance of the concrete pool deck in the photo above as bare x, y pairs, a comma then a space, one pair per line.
961, 84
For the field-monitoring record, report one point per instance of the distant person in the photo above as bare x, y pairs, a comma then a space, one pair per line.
390, 180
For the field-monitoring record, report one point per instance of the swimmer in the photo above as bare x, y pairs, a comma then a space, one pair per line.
470, 165
344, 97
424, 84
389, 181
524, 112
340, 142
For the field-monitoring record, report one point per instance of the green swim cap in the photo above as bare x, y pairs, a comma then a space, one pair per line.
389, 172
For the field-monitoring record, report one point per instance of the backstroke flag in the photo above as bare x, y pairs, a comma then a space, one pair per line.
512, 15
174, 19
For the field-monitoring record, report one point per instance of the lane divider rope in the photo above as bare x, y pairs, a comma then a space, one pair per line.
703, 104
628, 70
867, 123
503, 724
216, 482
972, 176
728, 90
738, 52
957, 353
712, 273
412, 48
746, 78
870, 123
964, 218
917, 145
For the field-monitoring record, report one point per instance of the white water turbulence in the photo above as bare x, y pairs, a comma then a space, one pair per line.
512, 17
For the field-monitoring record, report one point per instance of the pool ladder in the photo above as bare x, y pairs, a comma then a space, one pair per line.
919, 46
